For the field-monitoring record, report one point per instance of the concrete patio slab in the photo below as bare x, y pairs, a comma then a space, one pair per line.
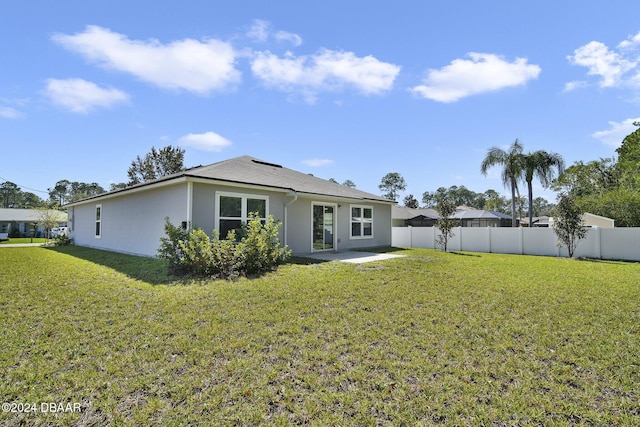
353, 257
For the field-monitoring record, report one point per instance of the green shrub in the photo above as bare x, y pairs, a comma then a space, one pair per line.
197, 253
229, 256
170, 249
194, 253
61, 240
262, 245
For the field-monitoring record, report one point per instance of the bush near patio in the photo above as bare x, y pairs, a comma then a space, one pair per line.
431, 338
255, 250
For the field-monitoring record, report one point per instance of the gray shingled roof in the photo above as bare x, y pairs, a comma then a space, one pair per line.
479, 214
403, 212
249, 170
25, 215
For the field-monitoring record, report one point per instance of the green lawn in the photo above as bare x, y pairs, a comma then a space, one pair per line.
428, 339
14, 240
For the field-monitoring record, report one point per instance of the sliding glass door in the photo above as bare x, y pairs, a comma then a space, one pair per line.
323, 227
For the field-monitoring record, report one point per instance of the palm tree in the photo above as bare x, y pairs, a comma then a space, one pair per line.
543, 165
511, 162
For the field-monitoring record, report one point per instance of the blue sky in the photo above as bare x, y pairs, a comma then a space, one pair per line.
348, 90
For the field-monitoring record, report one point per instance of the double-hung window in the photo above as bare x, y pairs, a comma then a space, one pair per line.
361, 222
233, 210
98, 221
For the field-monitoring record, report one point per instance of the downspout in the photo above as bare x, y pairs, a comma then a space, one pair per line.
189, 205
286, 224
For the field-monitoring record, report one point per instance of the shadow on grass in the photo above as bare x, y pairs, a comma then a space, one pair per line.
149, 270
298, 260
464, 254
607, 261
381, 249
146, 269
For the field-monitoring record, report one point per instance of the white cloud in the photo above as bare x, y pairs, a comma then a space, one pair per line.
10, 113
482, 72
81, 96
614, 67
601, 61
617, 132
317, 162
292, 38
260, 32
325, 70
191, 65
576, 84
208, 141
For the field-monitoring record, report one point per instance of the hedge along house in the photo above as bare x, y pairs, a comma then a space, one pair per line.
317, 215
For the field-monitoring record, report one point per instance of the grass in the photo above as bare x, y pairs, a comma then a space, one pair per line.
15, 240
427, 339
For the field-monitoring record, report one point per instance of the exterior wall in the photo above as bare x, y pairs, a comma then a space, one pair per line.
205, 209
597, 221
132, 223
300, 222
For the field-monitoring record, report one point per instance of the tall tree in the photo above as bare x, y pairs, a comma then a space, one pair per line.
392, 183
10, 194
495, 202
82, 190
594, 177
349, 183
542, 165
511, 163
629, 159
66, 191
411, 202
156, 164
60, 192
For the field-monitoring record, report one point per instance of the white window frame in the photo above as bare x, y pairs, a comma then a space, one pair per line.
244, 216
360, 220
98, 221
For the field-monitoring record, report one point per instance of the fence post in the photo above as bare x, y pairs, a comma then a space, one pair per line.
521, 238
411, 237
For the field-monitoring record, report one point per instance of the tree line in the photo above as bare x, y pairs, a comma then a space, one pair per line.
607, 187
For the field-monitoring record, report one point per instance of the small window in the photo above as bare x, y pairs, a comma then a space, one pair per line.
361, 222
98, 221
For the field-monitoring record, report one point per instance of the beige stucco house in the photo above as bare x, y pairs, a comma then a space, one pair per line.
316, 215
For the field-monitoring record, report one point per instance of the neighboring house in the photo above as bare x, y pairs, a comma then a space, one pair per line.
593, 221
482, 218
413, 217
538, 221
317, 215
467, 216
19, 222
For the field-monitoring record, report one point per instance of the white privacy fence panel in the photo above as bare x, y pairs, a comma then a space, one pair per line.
604, 243
620, 243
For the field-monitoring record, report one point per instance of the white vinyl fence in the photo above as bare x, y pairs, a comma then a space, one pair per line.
601, 243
